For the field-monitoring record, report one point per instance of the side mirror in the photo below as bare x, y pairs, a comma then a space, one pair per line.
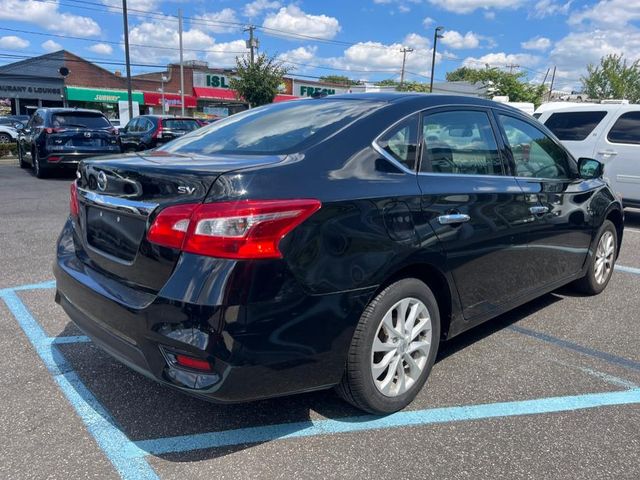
590, 168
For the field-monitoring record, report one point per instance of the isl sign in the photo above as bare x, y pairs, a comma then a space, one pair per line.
210, 80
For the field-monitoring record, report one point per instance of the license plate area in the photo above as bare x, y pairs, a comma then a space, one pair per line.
114, 233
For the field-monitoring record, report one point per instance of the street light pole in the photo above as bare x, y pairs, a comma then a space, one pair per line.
162, 80
126, 56
436, 36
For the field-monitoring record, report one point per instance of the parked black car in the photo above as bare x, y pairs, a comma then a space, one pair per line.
328, 242
56, 138
149, 131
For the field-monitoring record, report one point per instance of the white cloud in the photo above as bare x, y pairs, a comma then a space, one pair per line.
609, 12
469, 6
536, 43
218, 22
48, 16
292, 19
51, 46
12, 42
255, 8
548, 8
224, 54
501, 59
427, 22
489, 15
299, 55
101, 49
404, 9
456, 40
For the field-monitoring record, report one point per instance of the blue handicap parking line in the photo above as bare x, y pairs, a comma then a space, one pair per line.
401, 419
623, 268
607, 357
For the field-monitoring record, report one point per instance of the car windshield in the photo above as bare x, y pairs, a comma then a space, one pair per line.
181, 124
275, 129
79, 120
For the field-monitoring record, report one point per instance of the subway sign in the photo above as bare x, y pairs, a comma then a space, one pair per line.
303, 89
210, 80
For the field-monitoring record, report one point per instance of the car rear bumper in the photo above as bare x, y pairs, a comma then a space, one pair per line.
271, 348
73, 158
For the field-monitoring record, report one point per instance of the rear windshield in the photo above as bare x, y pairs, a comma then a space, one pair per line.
180, 124
275, 129
574, 126
79, 120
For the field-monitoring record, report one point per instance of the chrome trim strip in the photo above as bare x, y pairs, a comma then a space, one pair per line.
388, 157
124, 205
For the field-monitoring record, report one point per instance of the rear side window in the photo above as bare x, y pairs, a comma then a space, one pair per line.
626, 129
401, 142
574, 126
180, 124
79, 120
460, 142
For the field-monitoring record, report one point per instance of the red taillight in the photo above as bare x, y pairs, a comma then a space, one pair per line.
74, 208
158, 132
54, 130
194, 363
53, 159
244, 229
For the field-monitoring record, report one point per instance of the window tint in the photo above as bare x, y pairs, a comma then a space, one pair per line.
132, 125
37, 119
144, 124
79, 120
460, 142
535, 154
626, 129
180, 124
574, 126
274, 129
401, 142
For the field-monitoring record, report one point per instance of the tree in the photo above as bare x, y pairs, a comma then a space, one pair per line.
499, 82
613, 78
258, 84
339, 80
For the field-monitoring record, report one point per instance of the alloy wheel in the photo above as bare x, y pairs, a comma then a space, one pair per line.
604, 257
401, 347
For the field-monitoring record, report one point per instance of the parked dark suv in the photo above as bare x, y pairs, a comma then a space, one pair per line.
56, 138
149, 131
328, 242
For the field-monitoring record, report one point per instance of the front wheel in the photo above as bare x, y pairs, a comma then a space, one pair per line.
393, 348
5, 138
602, 261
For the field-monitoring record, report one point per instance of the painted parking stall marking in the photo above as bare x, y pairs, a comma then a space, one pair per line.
129, 458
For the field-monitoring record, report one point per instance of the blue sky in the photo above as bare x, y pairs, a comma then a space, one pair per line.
361, 39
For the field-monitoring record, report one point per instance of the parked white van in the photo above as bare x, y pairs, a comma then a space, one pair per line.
609, 132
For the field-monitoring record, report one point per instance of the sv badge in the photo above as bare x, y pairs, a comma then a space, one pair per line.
186, 190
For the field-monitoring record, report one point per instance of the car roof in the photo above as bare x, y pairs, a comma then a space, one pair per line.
65, 110
554, 107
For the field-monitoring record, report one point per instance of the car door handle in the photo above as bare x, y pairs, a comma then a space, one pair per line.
607, 153
538, 209
453, 218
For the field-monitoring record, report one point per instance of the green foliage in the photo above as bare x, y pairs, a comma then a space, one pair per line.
389, 82
8, 149
258, 84
499, 82
406, 86
613, 78
339, 80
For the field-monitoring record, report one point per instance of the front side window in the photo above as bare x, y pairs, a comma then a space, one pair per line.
401, 142
459, 142
574, 126
535, 154
626, 129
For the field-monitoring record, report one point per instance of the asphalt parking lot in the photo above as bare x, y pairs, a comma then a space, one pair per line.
550, 390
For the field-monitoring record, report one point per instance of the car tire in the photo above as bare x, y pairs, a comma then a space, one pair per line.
601, 263
5, 138
371, 349
21, 161
38, 170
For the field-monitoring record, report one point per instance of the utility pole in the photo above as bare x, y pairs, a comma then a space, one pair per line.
181, 63
404, 51
436, 36
126, 56
511, 67
252, 43
553, 77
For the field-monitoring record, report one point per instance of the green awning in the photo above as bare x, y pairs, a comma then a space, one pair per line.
105, 96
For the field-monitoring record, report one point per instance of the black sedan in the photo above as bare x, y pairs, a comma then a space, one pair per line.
149, 131
330, 242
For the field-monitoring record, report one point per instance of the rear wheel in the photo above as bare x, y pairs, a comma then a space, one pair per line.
38, 169
393, 348
21, 161
602, 261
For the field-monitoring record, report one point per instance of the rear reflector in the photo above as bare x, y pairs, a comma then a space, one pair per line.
74, 208
194, 363
53, 159
244, 229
